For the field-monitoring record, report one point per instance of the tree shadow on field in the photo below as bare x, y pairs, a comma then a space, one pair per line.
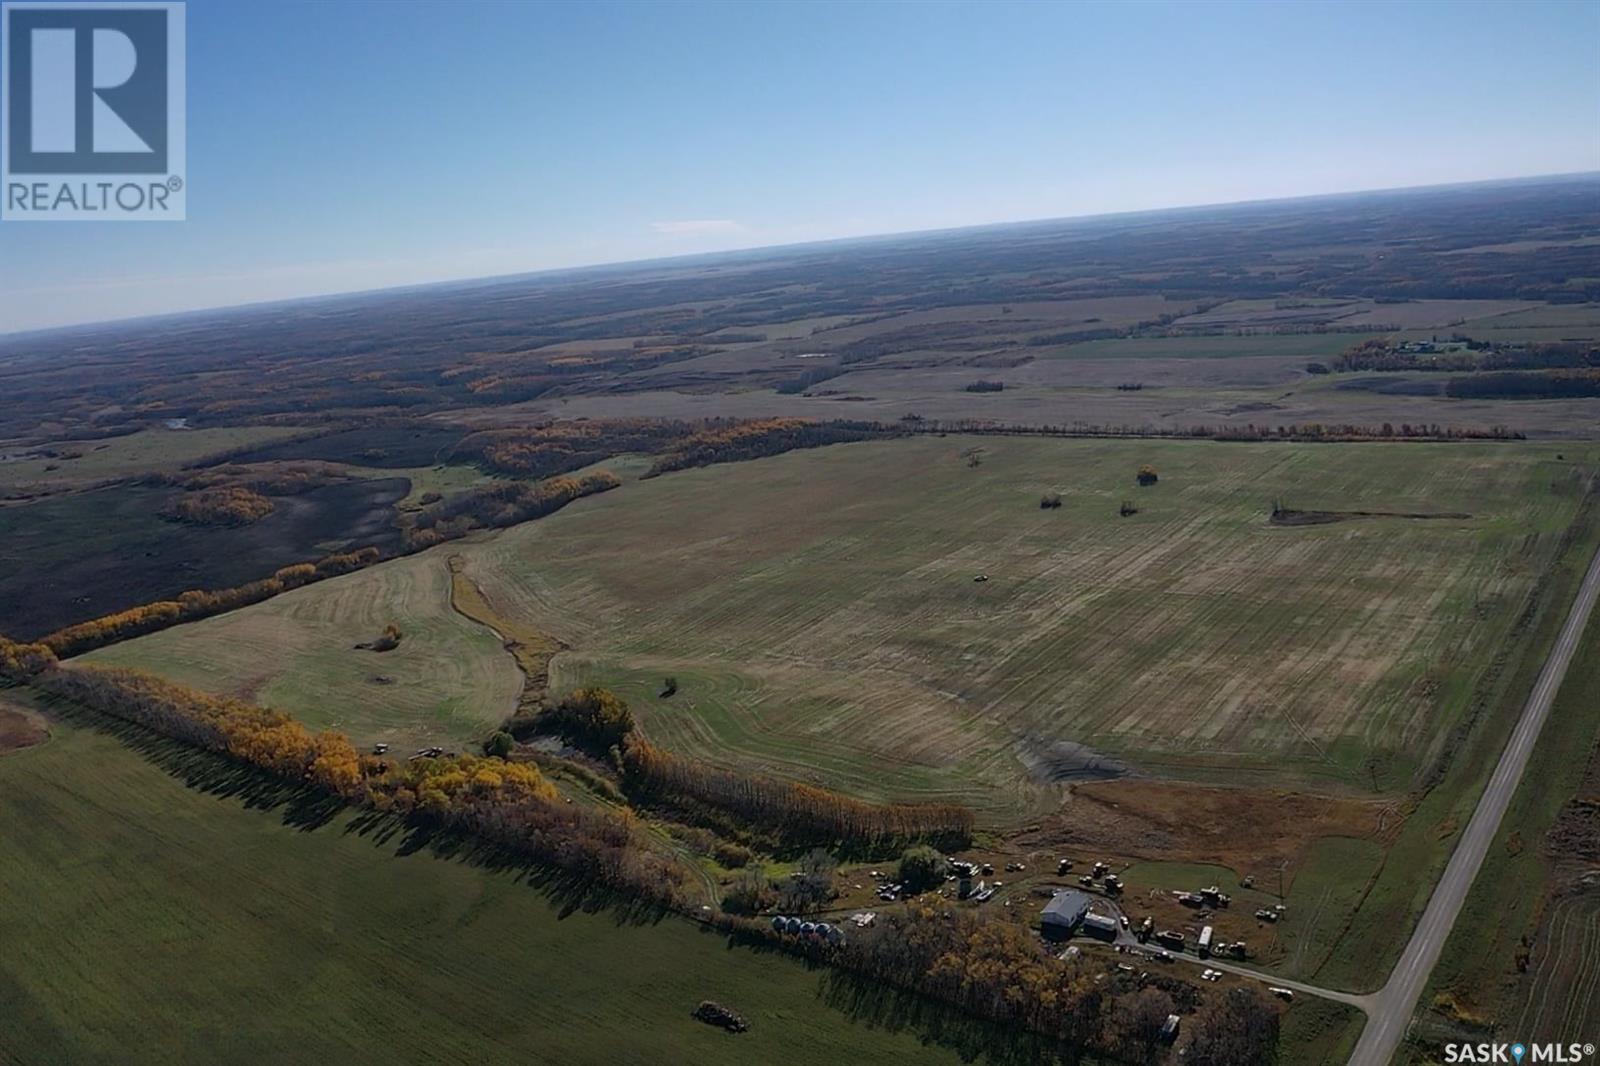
895, 1010
567, 891
303, 807
309, 809
877, 1005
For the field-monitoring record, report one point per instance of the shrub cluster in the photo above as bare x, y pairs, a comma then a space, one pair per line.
503, 503
231, 506
20, 662
591, 718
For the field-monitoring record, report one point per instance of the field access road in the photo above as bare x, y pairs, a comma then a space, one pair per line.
1393, 1004
1390, 1008
1367, 1002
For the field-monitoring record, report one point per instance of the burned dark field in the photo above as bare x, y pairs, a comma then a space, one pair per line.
77, 556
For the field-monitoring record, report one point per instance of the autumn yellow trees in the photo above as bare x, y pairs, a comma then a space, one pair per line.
503, 503
19, 662
509, 803
198, 603
764, 437
230, 506
796, 813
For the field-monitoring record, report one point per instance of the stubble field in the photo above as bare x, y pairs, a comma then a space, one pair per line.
821, 614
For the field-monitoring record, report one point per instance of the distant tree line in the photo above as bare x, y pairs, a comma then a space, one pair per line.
266, 478
982, 385
561, 447
759, 439
1378, 354
1301, 431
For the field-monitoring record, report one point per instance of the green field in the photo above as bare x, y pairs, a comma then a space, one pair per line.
138, 453
449, 682
150, 922
820, 613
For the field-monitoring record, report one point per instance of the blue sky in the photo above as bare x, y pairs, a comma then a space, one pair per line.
340, 146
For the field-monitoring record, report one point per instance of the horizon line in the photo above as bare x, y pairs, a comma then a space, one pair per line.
690, 257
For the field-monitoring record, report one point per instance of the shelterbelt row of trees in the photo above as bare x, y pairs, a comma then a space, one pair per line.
197, 603
794, 812
1379, 354
506, 803
791, 813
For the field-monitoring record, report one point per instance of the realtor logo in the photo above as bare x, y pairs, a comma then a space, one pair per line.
92, 123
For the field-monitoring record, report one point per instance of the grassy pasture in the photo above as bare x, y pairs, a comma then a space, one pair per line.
820, 613
138, 453
449, 681
149, 922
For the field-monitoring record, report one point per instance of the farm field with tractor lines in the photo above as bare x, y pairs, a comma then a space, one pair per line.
448, 683
824, 620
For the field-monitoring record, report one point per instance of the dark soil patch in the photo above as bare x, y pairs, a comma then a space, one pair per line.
74, 557
1393, 386
1066, 760
1322, 518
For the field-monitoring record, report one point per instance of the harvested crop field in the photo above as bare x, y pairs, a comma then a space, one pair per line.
449, 682
821, 614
